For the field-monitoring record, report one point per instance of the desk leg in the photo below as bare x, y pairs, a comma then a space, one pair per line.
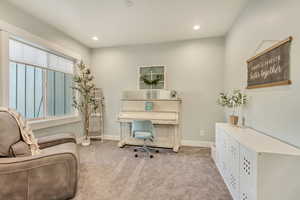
176, 139
176, 148
121, 142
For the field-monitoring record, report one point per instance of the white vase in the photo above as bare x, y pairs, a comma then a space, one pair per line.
86, 141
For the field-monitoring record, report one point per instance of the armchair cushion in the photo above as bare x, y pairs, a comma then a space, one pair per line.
50, 175
9, 133
14, 128
19, 149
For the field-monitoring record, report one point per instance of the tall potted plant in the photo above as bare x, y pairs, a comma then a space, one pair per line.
84, 97
233, 100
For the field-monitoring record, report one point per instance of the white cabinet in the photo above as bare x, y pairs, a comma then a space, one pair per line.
233, 166
255, 166
248, 175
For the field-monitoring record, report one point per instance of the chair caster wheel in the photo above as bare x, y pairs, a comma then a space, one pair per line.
157, 151
135, 150
136, 155
151, 156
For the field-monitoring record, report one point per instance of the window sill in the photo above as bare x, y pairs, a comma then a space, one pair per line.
52, 122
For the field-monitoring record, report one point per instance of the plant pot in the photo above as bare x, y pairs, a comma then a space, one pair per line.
233, 120
86, 141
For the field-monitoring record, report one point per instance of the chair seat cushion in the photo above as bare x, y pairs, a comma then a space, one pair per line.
142, 135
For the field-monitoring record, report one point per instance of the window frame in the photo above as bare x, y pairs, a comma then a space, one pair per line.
8, 31
46, 69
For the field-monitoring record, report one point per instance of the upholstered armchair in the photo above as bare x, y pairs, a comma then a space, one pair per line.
51, 174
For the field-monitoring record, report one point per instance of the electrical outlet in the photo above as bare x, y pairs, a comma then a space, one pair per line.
202, 133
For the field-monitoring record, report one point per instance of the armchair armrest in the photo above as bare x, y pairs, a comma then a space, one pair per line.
51, 175
52, 140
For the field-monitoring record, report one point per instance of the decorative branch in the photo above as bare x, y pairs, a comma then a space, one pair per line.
151, 82
234, 100
86, 102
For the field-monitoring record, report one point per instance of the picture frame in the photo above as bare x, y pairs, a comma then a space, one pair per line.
142, 71
270, 67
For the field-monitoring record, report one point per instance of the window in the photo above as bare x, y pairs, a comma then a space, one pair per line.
152, 73
40, 82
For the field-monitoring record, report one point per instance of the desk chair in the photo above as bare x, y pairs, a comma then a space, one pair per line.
143, 130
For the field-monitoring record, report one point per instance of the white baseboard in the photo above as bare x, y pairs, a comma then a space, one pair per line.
79, 140
193, 143
190, 143
106, 137
111, 137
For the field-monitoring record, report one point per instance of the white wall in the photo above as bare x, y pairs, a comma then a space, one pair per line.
20, 19
274, 111
195, 68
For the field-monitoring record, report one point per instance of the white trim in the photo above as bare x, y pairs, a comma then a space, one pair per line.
25, 35
105, 137
111, 137
57, 121
4, 69
78, 139
213, 153
195, 143
191, 143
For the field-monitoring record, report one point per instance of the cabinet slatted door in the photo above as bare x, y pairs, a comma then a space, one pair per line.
224, 154
233, 167
248, 174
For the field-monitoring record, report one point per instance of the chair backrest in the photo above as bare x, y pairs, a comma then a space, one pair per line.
11, 142
142, 126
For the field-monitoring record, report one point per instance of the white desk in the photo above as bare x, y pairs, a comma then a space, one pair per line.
165, 116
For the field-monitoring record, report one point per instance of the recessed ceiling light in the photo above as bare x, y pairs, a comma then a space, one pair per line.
95, 38
196, 27
129, 3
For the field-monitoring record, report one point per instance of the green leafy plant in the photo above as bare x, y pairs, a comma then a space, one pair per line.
234, 100
151, 82
85, 102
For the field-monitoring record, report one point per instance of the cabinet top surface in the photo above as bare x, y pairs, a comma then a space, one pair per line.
257, 141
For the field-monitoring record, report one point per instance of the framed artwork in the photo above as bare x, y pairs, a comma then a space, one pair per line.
152, 77
271, 67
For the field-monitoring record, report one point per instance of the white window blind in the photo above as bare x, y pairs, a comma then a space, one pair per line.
27, 54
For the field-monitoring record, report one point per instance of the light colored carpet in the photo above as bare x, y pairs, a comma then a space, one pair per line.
110, 173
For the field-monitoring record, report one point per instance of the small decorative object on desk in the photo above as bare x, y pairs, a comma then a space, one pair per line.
243, 122
85, 103
233, 100
173, 94
148, 106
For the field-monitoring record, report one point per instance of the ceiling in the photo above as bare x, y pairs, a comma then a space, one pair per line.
124, 22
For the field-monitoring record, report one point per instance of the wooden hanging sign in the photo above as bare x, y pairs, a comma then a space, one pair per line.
271, 67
